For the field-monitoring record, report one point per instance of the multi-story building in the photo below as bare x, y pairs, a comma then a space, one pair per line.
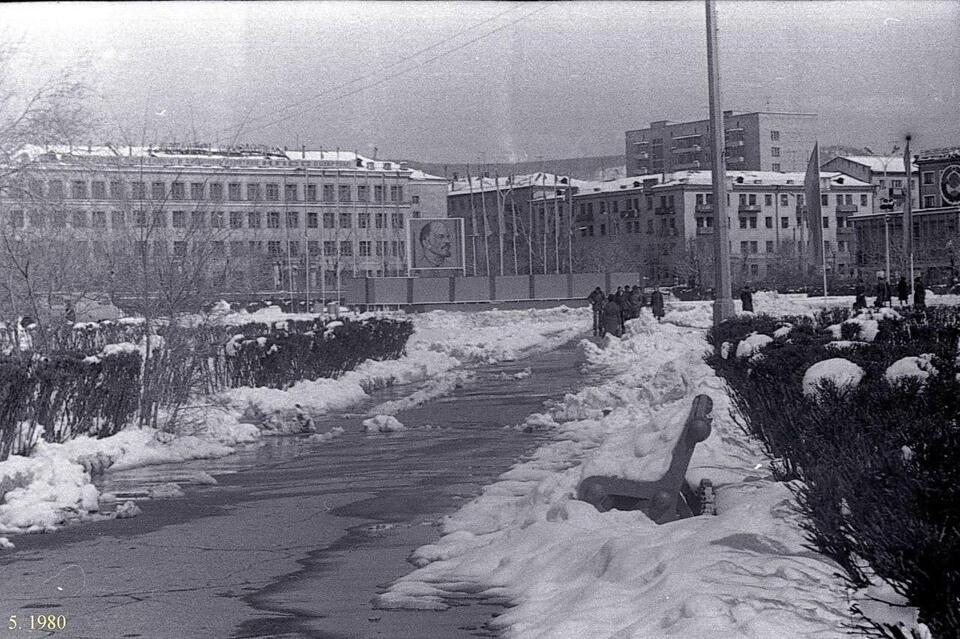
886, 172
243, 220
936, 223
758, 141
523, 214
664, 227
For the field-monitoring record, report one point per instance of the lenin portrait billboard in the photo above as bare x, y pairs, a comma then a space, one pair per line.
436, 243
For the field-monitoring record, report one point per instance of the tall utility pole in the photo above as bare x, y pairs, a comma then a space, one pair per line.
908, 211
723, 302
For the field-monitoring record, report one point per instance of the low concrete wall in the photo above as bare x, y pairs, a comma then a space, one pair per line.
471, 289
551, 287
513, 287
584, 283
431, 289
387, 290
624, 279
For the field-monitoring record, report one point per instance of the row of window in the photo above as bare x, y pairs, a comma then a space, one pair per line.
752, 247
273, 248
198, 191
752, 199
215, 219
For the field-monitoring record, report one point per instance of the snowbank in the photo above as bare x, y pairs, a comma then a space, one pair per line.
570, 571
751, 344
919, 367
382, 424
842, 372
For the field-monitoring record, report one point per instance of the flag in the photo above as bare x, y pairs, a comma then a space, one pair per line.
811, 195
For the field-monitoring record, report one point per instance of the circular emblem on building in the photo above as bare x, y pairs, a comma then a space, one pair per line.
950, 184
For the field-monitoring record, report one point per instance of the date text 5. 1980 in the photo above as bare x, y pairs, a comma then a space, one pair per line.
48, 622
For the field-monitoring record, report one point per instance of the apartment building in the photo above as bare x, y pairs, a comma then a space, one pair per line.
759, 141
887, 173
663, 225
936, 223
252, 219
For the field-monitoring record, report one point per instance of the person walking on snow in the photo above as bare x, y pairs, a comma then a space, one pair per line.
903, 291
611, 317
656, 303
597, 299
919, 294
883, 292
746, 299
860, 293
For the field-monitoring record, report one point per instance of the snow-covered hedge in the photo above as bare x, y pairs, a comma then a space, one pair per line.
873, 438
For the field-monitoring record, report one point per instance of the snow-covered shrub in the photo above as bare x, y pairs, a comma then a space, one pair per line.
841, 373
863, 498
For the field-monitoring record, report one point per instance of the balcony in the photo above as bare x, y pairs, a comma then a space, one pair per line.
664, 210
749, 208
704, 208
846, 208
687, 166
739, 159
679, 150
629, 214
704, 230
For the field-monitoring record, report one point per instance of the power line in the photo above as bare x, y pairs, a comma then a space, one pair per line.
371, 74
396, 75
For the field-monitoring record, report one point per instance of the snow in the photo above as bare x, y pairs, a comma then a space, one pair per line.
917, 367
842, 372
571, 571
382, 424
783, 331
842, 344
128, 510
751, 344
6, 543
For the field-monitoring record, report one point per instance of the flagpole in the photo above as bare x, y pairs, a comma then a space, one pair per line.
513, 214
500, 205
823, 243
908, 210
486, 239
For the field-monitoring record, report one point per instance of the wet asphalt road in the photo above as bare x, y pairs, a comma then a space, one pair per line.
296, 538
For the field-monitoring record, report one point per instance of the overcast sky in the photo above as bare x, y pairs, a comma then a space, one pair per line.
498, 81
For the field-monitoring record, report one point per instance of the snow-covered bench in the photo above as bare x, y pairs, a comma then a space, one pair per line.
661, 500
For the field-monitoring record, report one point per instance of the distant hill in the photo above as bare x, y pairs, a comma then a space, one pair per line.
581, 168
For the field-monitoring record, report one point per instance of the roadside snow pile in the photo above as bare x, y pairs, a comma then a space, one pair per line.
53, 486
697, 314
6, 543
919, 367
330, 435
571, 571
842, 344
842, 372
441, 341
783, 331
382, 424
751, 344
440, 386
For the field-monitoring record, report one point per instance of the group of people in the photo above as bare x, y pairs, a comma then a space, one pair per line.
884, 293
611, 311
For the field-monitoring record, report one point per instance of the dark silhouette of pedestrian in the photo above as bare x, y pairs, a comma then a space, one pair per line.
746, 299
611, 317
656, 303
919, 294
903, 291
597, 299
860, 295
882, 292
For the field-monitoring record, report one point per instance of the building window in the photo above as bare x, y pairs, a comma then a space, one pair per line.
328, 193
312, 219
752, 199
98, 190
826, 222
365, 248
775, 151
117, 220
78, 189
79, 220
253, 219
177, 191
753, 247
311, 193
329, 247
649, 226
236, 219
415, 199
273, 220
197, 219
744, 248
396, 194
180, 248
328, 220
743, 222
313, 248
754, 269
767, 199
753, 222
179, 219
160, 219
196, 190
290, 192
345, 220
346, 248
216, 219
273, 248
378, 193
217, 249
55, 189
824, 199
768, 222
293, 246
140, 218
116, 190
253, 192
273, 192
929, 201
344, 192
380, 219
775, 166
774, 136
769, 246
784, 222
216, 191
396, 220
928, 177
863, 199
233, 192
841, 245
293, 220
363, 220
381, 248
99, 219
254, 247
363, 193
603, 229
743, 199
